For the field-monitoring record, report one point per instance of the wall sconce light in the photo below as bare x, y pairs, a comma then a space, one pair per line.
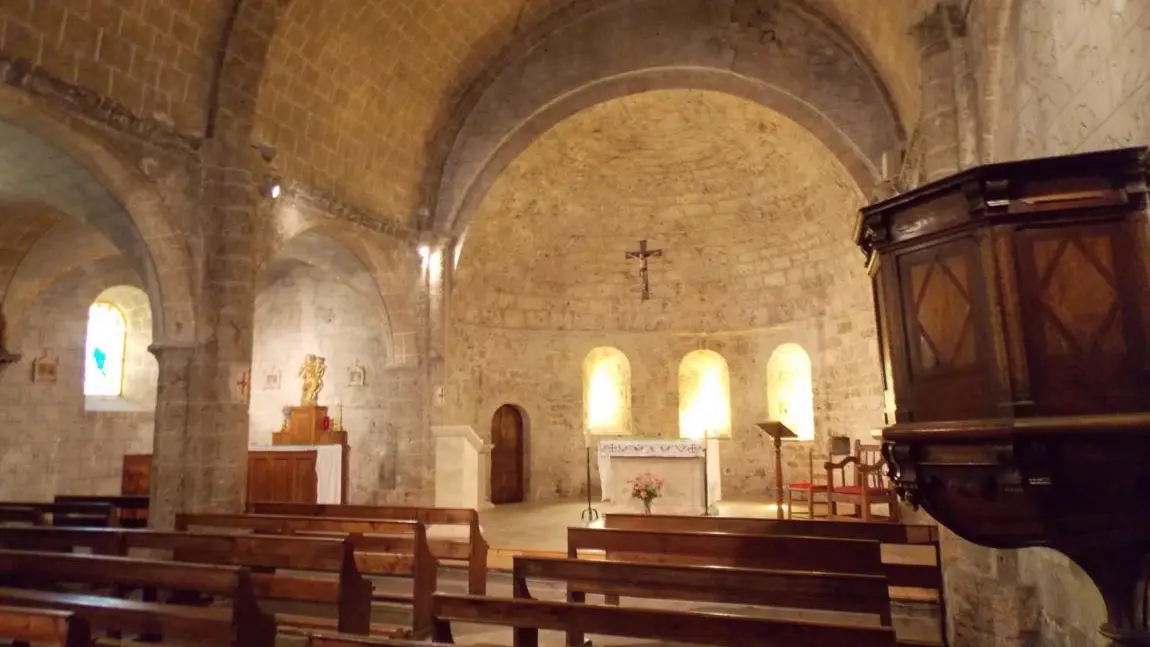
271, 187
424, 251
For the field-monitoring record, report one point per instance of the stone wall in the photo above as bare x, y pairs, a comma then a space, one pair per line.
304, 309
55, 441
755, 217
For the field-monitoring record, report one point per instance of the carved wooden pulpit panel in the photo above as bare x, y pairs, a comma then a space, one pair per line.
1013, 317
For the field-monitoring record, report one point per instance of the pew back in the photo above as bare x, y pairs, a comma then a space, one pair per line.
850, 556
474, 552
43, 627
529, 616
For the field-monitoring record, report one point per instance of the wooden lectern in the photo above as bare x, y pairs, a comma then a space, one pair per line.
778, 431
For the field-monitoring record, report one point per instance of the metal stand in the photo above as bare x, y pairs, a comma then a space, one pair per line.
706, 480
590, 515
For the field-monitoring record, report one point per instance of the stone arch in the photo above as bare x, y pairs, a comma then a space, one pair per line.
704, 395
97, 186
795, 65
607, 393
334, 249
790, 389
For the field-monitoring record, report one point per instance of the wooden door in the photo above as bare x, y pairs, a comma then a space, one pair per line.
507, 455
282, 477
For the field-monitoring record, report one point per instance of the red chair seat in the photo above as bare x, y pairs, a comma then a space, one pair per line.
855, 489
803, 485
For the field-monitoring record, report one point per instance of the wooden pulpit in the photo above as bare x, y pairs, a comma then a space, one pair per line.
1014, 329
778, 431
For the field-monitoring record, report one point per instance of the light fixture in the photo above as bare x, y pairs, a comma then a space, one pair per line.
424, 250
275, 191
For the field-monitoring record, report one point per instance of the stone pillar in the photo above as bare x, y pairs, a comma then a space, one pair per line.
200, 449
173, 412
938, 126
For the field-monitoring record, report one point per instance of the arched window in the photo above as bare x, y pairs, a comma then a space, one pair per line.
104, 351
606, 392
704, 396
790, 390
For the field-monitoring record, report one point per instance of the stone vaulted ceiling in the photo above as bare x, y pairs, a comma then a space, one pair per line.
356, 91
729, 188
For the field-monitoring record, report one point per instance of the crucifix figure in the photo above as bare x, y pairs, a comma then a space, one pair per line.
642, 255
245, 383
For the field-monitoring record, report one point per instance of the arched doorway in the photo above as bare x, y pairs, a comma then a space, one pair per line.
507, 455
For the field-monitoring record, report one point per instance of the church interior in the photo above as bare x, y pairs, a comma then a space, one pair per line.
730, 322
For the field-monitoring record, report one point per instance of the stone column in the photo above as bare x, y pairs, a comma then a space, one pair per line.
200, 450
173, 412
937, 130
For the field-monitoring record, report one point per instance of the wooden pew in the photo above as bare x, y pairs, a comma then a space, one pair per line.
900, 575
131, 509
23, 625
864, 594
72, 514
772, 552
474, 552
529, 616
27, 515
241, 625
344, 640
350, 594
405, 542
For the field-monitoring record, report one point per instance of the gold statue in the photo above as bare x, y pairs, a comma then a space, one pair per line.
312, 373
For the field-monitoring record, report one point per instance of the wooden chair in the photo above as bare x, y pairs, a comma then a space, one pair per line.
865, 487
806, 490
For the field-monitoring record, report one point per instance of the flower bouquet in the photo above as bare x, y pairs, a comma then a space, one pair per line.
646, 487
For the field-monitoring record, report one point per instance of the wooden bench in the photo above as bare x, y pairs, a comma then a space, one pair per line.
901, 575
21, 514
529, 616
321, 639
71, 514
771, 552
473, 552
241, 625
402, 548
350, 594
863, 594
23, 625
131, 509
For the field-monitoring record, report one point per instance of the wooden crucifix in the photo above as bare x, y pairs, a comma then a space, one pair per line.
642, 255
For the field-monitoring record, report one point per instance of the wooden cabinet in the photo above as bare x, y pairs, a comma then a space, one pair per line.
282, 477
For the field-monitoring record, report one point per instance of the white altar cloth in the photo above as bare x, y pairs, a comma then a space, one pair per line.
328, 468
679, 462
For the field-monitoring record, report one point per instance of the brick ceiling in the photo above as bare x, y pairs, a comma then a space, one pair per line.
356, 90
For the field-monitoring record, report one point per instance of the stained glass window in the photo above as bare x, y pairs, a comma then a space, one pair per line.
104, 352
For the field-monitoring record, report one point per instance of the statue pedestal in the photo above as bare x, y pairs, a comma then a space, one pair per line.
458, 469
306, 427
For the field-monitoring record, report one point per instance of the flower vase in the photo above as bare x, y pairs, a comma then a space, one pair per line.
647, 506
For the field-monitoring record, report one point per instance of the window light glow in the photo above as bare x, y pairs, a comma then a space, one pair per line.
104, 351
704, 396
606, 392
790, 390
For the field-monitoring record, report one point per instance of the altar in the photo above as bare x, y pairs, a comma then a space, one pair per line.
681, 463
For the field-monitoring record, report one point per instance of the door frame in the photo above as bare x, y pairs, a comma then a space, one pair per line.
525, 449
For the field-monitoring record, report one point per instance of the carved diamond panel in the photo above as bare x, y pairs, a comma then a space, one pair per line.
1078, 296
943, 313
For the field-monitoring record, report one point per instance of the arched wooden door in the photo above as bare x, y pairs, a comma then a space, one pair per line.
507, 455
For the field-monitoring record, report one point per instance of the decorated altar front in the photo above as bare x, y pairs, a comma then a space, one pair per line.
681, 463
